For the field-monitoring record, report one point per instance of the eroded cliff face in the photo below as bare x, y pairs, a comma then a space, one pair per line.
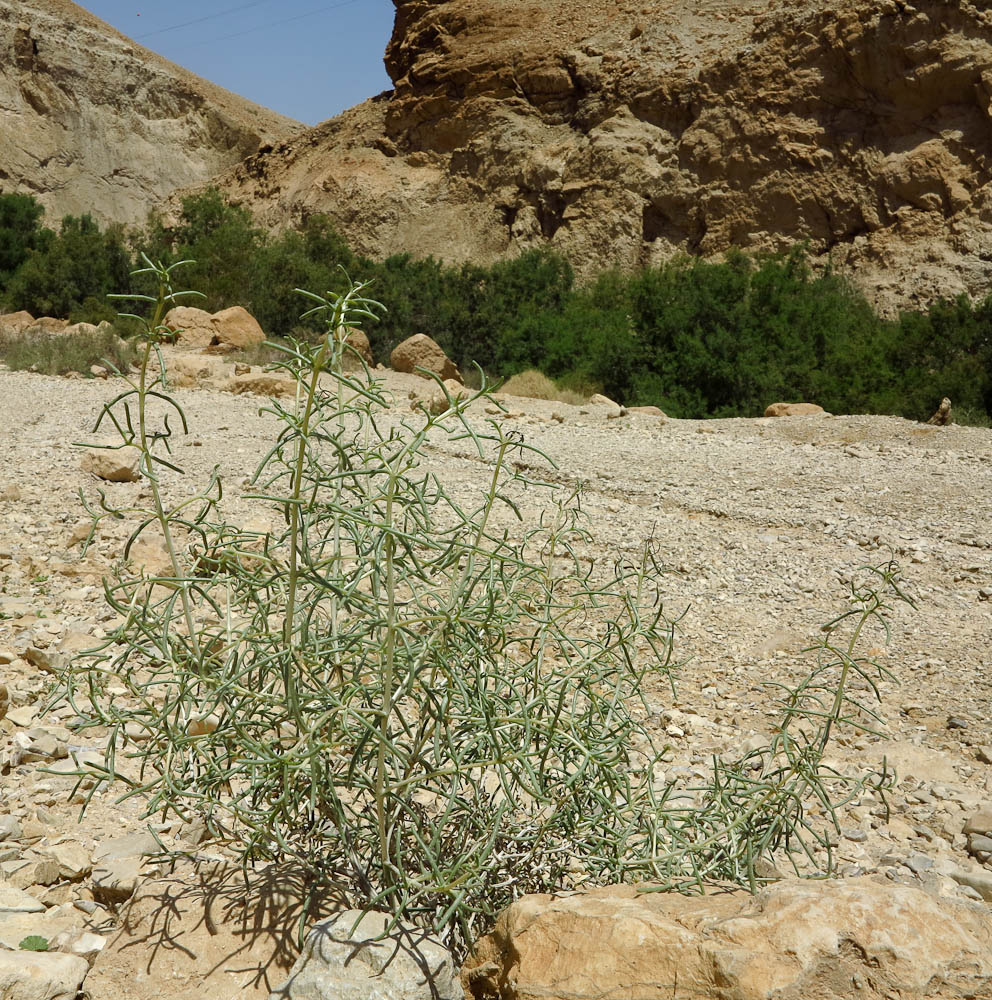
623, 132
92, 122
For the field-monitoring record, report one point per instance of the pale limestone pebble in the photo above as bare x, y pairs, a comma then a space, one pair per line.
27, 873
62, 919
133, 845
14, 900
112, 464
74, 861
114, 882
980, 822
83, 944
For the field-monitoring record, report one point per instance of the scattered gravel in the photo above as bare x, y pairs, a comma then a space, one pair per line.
759, 523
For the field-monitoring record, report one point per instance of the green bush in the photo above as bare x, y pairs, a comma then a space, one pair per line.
81, 264
698, 338
432, 706
20, 232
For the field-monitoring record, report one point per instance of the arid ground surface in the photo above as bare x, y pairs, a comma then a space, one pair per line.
759, 524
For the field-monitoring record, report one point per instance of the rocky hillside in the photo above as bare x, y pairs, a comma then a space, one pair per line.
621, 131
93, 122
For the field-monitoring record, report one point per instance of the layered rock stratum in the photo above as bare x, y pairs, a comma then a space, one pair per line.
90, 121
624, 131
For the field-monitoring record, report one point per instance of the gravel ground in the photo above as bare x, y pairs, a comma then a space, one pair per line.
759, 524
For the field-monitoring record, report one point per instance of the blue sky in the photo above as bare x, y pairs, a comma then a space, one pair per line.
309, 59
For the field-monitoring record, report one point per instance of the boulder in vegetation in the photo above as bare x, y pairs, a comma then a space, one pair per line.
366, 962
191, 326
236, 328
14, 324
420, 351
793, 940
357, 350
598, 399
793, 410
230, 329
943, 415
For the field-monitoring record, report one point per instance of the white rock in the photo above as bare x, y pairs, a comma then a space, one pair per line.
340, 964
14, 900
117, 465
32, 975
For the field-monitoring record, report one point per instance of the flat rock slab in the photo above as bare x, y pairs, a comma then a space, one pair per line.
796, 940
31, 975
14, 900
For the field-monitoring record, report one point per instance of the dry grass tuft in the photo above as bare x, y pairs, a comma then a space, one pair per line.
60, 354
532, 384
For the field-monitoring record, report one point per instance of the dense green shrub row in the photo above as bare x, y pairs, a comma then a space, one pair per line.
697, 338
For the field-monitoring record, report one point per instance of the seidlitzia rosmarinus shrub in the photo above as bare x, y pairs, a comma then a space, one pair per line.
432, 704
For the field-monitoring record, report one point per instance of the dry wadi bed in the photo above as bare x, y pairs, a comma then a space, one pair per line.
759, 524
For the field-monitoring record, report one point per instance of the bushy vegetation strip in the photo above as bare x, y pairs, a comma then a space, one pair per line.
697, 338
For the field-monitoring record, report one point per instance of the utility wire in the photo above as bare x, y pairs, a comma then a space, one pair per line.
273, 24
200, 20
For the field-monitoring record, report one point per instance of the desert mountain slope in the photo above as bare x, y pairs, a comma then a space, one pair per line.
622, 132
93, 122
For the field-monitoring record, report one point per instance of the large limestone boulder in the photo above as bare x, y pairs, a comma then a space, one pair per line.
420, 351
193, 327
230, 329
796, 940
14, 324
236, 328
365, 963
793, 410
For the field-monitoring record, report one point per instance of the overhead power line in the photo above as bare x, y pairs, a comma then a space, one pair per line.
270, 24
200, 20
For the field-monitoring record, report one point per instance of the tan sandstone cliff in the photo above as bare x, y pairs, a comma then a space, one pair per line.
93, 122
622, 132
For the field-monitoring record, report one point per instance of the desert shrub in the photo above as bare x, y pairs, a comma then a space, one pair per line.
223, 241
430, 704
471, 311
20, 232
945, 351
80, 264
59, 354
533, 384
726, 338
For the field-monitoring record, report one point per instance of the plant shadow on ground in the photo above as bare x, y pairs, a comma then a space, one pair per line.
231, 922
